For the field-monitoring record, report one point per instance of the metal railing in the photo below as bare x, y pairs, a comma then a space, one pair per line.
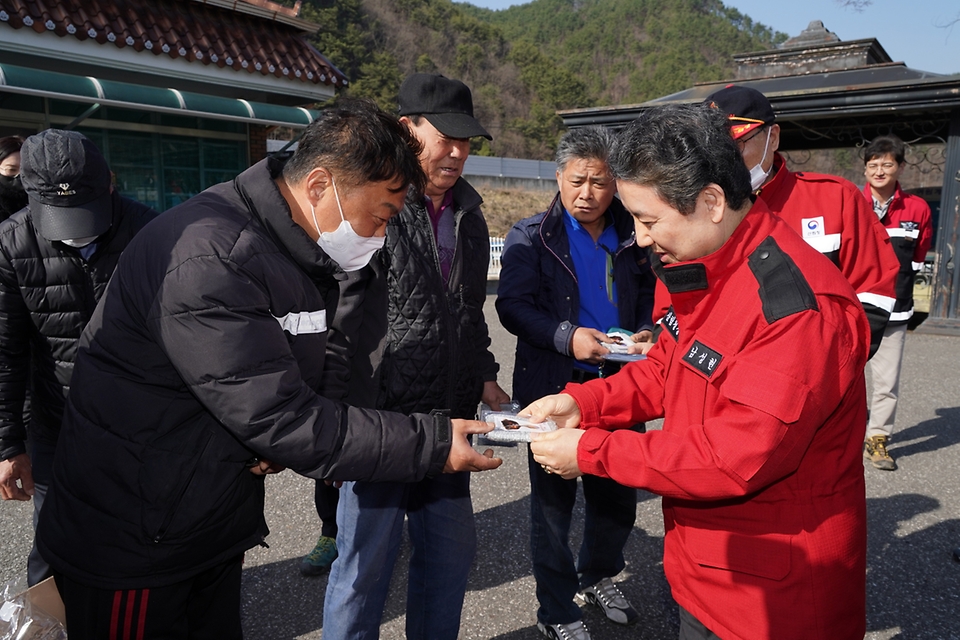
496, 251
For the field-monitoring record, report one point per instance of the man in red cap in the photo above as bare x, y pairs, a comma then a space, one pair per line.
827, 211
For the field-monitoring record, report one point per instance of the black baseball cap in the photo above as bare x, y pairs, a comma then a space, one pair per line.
67, 181
446, 104
747, 108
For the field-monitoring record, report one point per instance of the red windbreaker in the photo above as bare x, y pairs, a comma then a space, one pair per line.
910, 226
831, 215
759, 377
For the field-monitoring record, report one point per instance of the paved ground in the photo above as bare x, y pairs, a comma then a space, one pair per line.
914, 523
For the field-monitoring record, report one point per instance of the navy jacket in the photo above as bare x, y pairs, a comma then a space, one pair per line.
538, 298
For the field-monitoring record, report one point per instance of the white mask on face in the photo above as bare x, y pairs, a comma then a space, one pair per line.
757, 175
348, 249
79, 243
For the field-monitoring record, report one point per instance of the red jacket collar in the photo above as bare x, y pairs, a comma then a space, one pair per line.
752, 230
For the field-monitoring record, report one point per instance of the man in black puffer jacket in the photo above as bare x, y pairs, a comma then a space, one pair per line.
201, 371
437, 355
56, 257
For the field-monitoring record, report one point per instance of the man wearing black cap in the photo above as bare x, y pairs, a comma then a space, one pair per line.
436, 357
56, 257
827, 211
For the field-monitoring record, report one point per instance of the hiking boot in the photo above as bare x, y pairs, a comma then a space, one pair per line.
573, 631
608, 597
875, 450
318, 561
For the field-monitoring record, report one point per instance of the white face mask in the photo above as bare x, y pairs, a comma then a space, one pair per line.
79, 243
757, 175
348, 249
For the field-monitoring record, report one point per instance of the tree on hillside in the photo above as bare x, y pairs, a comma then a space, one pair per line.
526, 62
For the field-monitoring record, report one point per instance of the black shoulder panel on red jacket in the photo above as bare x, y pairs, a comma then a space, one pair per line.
783, 289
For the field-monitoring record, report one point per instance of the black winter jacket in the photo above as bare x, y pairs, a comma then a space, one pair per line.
203, 355
47, 294
437, 354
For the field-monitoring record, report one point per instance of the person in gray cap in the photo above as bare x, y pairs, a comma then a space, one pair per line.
436, 356
56, 257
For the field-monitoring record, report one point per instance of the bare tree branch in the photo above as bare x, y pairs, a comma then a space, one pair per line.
856, 5
950, 22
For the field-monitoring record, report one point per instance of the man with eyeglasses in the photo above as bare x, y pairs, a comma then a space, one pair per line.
826, 210
907, 220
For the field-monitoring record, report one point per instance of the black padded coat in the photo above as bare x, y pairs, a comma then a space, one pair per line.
437, 354
47, 295
204, 354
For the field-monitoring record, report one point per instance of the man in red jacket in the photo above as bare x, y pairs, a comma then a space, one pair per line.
907, 220
825, 210
758, 375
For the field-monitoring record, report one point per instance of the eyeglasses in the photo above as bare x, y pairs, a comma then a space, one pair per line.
742, 142
874, 167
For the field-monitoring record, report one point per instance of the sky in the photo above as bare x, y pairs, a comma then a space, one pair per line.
907, 29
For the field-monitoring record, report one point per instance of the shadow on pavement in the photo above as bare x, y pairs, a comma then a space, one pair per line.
280, 604
910, 571
938, 433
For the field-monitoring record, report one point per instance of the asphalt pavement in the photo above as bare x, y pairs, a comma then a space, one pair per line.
913, 584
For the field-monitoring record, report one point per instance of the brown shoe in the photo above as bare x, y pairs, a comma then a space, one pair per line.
875, 450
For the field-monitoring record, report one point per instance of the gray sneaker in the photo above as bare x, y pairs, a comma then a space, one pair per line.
607, 596
573, 631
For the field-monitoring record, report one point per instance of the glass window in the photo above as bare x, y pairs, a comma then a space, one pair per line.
161, 170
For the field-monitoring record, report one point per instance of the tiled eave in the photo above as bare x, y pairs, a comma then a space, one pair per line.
203, 33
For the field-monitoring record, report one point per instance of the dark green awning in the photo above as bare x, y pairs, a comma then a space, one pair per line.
63, 86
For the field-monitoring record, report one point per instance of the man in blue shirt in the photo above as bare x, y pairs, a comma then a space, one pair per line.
569, 275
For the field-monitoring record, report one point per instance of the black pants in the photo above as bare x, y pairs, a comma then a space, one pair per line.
690, 628
326, 497
204, 607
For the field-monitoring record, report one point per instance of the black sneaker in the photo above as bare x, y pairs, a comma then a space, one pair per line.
608, 597
573, 631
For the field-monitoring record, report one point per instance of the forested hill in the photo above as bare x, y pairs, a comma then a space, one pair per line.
526, 62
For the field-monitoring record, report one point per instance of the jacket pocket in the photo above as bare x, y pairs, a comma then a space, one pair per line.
762, 555
771, 391
165, 477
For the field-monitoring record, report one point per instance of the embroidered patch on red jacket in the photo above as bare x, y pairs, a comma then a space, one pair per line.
703, 358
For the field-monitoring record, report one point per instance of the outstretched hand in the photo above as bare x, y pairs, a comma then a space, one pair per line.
556, 452
561, 408
586, 347
463, 457
642, 343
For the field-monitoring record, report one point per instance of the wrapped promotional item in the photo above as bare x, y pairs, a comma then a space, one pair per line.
617, 343
31, 614
510, 428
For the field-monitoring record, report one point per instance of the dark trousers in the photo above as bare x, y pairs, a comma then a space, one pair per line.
41, 463
611, 510
693, 629
326, 497
204, 607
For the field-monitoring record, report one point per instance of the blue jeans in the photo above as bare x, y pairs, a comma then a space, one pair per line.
444, 537
611, 510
